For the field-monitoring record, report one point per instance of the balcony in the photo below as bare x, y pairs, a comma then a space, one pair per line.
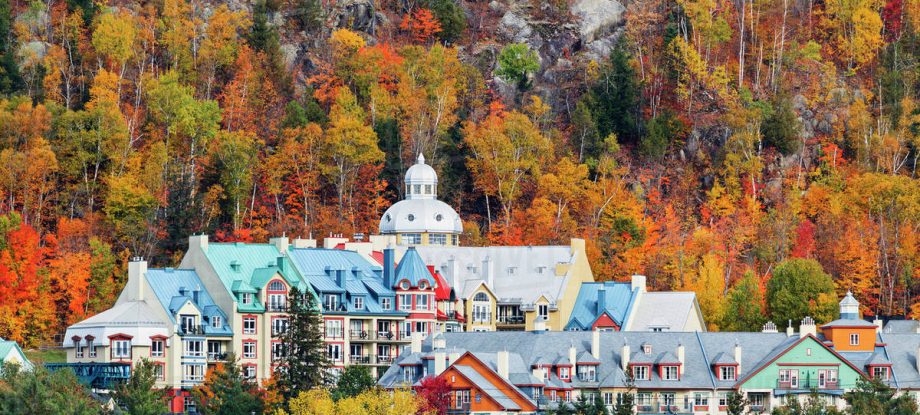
482, 318
361, 335
510, 320
370, 359
385, 360
463, 408
807, 385
217, 357
191, 330
276, 308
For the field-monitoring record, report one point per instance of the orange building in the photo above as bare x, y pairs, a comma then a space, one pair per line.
476, 388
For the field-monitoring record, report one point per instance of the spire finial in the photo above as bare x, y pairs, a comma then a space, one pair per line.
421, 158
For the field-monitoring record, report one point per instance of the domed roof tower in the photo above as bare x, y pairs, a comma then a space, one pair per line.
420, 218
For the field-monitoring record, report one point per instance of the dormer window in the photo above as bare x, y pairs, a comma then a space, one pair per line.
276, 286
640, 372
246, 298
854, 339
423, 285
359, 303
564, 373
235, 265
411, 217
216, 322
439, 217
880, 372
727, 372
647, 349
404, 285
670, 373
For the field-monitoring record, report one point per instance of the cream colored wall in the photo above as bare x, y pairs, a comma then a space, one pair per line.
468, 311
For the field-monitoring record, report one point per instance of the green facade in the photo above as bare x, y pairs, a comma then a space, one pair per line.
808, 356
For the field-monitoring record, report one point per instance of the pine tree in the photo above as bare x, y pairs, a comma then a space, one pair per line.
736, 403
304, 363
353, 381
139, 396
626, 400
225, 391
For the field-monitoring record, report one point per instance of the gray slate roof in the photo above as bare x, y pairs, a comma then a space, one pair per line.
670, 310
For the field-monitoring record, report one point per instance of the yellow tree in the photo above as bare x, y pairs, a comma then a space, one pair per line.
709, 286
507, 150
114, 39
221, 42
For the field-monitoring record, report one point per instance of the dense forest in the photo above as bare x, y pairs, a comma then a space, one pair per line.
703, 143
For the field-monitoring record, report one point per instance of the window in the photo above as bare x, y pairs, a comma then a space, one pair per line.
216, 322
193, 373
91, 347
417, 188
643, 399
247, 298
156, 348
188, 324
454, 239
277, 302
405, 302
427, 189
481, 297
411, 238
608, 398
700, 399
214, 350
587, 373
249, 325
279, 326
543, 311
647, 349
334, 352
79, 352
334, 329
193, 348
359, 303
670, 373
727, 372
783, 376
121, 349
568, 396
189, 405
249, 371
249, 349
421, 301
357, 351
437, 238
386, 303
756, 400
461, 398
723, 399
640, 372
331, 302
794, 378
564, 373
667, 399
880, 372
421, 327
278, 351
832, 377
276, 286
159, 371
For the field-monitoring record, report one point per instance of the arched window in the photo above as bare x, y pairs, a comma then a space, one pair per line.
481, 297
276, 286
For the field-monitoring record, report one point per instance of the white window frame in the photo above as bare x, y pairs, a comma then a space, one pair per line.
403, 304
249, 350
216, 321
157, 348
421, 301
854, 339
727, 372
386, 303
358, 303
246, 298
640, 370
670, 373
246, 328
564, 373
193, 348
121, 349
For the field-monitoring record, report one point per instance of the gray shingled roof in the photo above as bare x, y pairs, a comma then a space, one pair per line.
902, 352
901, 326
670, 310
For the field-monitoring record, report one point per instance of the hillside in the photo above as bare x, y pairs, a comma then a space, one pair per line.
699, 142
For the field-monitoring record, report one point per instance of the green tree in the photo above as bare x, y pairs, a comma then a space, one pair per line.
780, 128
516, 63
871, 396
235, 153
138, 395
626, 402
451, 17
615, 99
226, 392
304, 360
800, 288
39, 392
660, 132
736, 403
10, 81
744, 307
353, 381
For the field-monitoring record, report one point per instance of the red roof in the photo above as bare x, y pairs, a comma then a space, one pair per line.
442, 292
378, 256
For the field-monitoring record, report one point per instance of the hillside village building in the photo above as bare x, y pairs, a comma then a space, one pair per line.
673, 372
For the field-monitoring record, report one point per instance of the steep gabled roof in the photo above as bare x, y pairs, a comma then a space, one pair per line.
411, 268
176, 287
618, 300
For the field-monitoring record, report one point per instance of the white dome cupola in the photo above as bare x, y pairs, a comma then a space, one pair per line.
421, 180
420, 218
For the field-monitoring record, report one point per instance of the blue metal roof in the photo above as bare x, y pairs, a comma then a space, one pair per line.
618, 300
413, 269
359, 277
174, 287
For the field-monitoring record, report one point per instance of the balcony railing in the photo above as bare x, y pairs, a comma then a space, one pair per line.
191, 330
482, 317
360, 335
216, 357
807, 384
277, 308
511, 319
370, 359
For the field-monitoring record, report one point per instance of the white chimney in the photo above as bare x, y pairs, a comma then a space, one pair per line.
638, 282
332, 241
596, 344
198, 241
738, 358
573, 355
440, 363
624, 357
452, 275
879, 324
280, 242
808, 327
488, 272
416, 343
438, 342
769, 327
452, 357
680, 354
789, 330
501, 360
136, 270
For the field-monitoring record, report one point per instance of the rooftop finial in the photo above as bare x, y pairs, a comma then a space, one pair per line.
421, 158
